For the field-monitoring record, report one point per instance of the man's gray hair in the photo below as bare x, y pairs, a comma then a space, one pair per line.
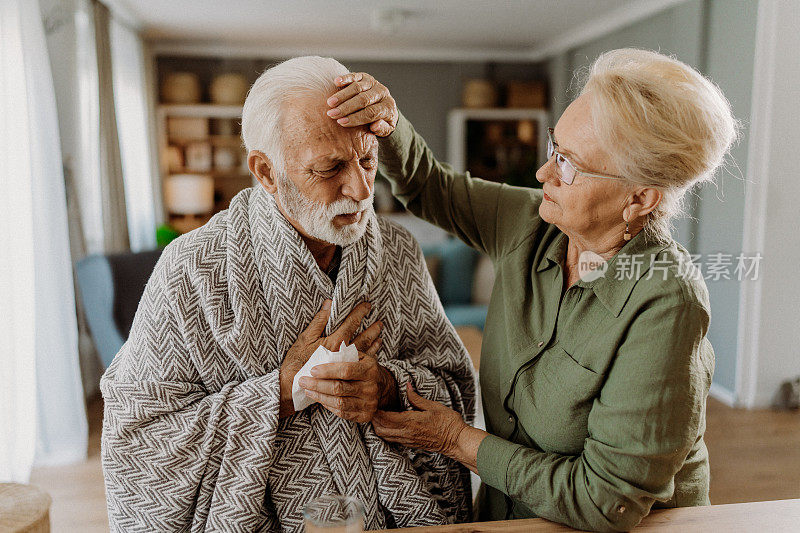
262, 114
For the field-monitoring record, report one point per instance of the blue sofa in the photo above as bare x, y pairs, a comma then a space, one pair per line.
110, 288
455, 270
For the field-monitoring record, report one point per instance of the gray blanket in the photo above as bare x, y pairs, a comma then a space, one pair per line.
191, 435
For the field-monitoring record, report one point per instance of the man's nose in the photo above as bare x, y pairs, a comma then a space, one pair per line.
357, 183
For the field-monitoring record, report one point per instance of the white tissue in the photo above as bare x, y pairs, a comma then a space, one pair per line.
346, 354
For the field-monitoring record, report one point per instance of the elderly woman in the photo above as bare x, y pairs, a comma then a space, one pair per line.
595, 363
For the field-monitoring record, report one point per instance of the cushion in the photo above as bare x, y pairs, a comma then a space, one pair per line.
130, 273
456, 267
466, 315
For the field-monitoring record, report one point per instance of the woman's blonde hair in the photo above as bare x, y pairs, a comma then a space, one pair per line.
663, 123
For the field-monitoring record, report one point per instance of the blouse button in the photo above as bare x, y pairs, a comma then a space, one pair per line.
621, 509
541, 343
510, 418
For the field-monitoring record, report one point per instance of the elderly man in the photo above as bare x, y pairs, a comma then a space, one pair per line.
200, 431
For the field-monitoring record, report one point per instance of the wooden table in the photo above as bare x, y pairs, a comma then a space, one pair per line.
24, 509
770, 517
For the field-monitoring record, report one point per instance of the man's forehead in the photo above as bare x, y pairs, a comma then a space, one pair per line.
307, 129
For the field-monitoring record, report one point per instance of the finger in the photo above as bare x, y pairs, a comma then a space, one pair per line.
392, 419
352, 84
350, 77
345, 371
366, 338
390, 431
368, 115
331, 387
317, 326
386, 432
347, 408
345, 332
343, 404
381, 128
372, 351
391, 436
343, 95
364, 85
360, 100
418, 401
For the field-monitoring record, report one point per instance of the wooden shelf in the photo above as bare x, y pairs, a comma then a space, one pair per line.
459, 118
498, 113
201, 110
217, 140
233, 173
227, 182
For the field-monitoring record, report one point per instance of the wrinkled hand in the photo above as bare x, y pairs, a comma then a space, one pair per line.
311, 338
363, 100
433, 427
353, 391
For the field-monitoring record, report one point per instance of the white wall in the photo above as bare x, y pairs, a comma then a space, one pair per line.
769, 325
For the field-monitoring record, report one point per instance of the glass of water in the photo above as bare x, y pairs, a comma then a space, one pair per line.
334, 514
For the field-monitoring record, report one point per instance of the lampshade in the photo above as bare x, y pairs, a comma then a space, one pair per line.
189, 194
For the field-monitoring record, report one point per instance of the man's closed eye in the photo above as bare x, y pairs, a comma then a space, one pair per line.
329, 172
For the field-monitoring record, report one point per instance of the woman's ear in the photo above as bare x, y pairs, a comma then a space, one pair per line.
641, 202
261, 167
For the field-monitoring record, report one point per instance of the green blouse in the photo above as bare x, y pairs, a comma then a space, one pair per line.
594, 396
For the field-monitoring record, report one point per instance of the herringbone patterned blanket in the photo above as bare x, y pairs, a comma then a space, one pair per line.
191, 435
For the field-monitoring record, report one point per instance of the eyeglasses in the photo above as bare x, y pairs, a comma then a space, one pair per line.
567, 168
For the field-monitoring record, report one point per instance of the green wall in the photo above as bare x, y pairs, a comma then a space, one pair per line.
717, 37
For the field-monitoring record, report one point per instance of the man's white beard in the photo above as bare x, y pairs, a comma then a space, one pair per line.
316, 218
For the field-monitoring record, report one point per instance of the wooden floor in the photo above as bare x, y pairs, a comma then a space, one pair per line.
79, 499
755, 456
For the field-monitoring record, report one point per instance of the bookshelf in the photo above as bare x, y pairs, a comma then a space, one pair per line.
214, 131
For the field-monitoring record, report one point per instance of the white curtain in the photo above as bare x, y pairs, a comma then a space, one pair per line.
87, 175
109, 60
42, 413
112, 188
117, 200
128, 69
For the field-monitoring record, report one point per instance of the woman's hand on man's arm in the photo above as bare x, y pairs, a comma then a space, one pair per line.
433, 427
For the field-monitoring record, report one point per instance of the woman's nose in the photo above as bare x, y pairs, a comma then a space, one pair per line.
547, 171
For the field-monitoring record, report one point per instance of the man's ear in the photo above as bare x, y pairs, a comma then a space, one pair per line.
641, 202
261, 167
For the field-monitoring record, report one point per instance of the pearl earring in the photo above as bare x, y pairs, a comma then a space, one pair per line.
627, 235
